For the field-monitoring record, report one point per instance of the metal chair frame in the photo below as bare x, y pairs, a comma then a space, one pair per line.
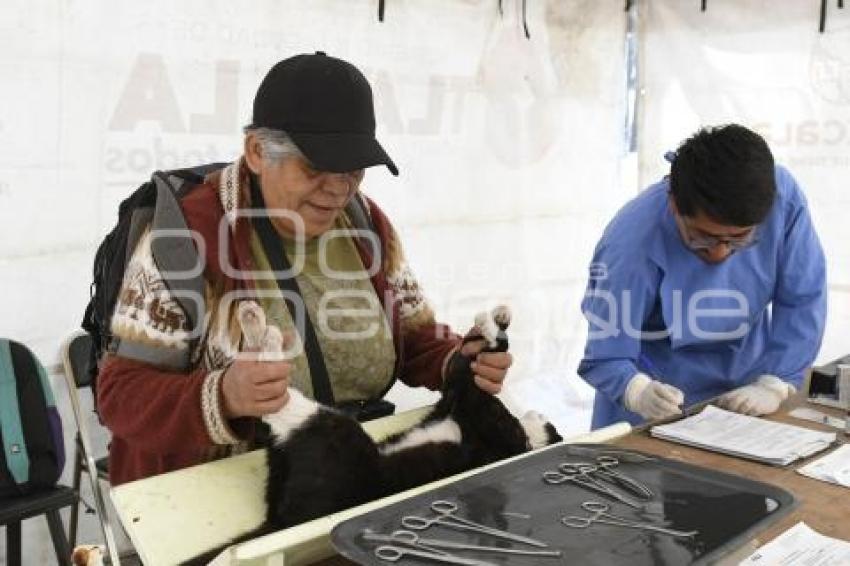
83, 457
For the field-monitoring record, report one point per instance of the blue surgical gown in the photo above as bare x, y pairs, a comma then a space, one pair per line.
653, 306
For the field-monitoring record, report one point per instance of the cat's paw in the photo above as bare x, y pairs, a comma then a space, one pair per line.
252, 320
537, 429
491, 323
502, 316
271, 346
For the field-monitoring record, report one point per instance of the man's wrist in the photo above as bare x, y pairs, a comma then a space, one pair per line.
637, 384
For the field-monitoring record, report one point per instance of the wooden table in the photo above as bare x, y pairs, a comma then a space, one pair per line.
824, 507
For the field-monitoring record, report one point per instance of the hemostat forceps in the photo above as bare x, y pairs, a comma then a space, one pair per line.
604, 469
392, 553
447, 517
410, 538
581, 475
599, 514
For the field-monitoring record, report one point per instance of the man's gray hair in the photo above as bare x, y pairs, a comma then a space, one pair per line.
276, 144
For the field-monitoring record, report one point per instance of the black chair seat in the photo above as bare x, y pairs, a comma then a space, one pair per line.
102, 465
48, 502
19, 508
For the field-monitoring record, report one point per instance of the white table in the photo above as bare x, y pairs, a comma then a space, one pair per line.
178, 515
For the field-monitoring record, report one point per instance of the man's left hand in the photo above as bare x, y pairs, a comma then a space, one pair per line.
490, 368
762, 397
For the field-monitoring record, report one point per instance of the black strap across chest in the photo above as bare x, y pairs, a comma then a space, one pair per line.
278, 261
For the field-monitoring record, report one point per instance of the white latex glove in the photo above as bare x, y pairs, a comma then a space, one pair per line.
762, 397
652, 399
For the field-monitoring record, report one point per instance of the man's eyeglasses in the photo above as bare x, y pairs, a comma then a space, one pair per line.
698, 242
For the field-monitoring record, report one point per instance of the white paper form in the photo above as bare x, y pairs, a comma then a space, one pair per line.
832, 468
801, 546
745, 437
808, 414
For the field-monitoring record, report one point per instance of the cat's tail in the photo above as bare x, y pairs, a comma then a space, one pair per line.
210, 555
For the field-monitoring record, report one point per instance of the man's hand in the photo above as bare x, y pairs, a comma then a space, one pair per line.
253, 389
652, 399
762, 397
490, 368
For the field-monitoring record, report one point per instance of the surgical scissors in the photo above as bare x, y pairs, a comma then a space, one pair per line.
392, 553
447, 517
412, 539
600, 514
580, 474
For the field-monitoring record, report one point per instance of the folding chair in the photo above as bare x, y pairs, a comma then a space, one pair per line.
75, 357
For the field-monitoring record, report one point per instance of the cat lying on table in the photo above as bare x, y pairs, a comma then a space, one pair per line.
321, 461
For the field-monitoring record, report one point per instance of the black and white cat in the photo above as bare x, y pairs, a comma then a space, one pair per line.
321, 461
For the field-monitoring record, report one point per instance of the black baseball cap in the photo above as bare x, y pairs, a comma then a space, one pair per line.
325, 105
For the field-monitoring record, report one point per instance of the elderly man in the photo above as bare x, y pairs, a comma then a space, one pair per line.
285, 224
711, 281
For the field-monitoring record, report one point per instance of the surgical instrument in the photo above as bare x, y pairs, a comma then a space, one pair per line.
580, 474
599, 514
412, 539
605, 465
447, 517
392, 553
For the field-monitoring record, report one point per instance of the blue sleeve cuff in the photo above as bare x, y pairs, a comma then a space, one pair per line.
609, 378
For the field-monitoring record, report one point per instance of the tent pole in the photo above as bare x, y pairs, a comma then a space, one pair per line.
632, 93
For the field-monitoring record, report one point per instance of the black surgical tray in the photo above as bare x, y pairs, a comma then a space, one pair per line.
727, 511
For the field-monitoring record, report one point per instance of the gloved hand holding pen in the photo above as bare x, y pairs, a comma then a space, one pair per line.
652, 399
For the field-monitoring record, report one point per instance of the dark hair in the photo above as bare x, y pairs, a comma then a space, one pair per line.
726, 172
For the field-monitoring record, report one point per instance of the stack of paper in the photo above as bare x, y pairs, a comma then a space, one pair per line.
801, 546
832, 468
745, 437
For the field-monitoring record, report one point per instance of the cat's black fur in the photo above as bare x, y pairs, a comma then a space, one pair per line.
329, 463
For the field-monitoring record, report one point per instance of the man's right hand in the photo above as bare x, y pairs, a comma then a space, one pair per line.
652, 399
252, 389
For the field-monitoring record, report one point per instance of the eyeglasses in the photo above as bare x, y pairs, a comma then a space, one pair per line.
351, 179
702, 242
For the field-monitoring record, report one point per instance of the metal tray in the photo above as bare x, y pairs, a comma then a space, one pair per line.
727, 511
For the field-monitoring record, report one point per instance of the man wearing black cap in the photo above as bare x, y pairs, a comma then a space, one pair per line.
174, 395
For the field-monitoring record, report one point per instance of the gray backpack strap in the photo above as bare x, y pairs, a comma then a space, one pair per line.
174, 250
173, 359
177, 259
141, 219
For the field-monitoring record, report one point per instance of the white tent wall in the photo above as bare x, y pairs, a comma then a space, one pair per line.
509, 150
762, 64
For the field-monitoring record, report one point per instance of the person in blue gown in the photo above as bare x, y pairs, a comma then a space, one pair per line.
711, 282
